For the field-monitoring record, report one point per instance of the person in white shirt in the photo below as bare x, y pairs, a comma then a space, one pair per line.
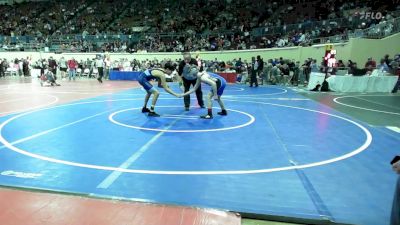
63, 67
99, 63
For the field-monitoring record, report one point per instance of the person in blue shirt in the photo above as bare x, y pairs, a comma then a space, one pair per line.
153, 74
383, 66
217, 84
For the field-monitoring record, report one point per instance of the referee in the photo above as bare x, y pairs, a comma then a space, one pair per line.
189, 76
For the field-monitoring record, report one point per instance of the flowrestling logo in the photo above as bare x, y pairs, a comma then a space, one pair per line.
370, 15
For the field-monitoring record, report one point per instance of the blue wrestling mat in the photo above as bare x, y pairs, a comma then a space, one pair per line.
277, 153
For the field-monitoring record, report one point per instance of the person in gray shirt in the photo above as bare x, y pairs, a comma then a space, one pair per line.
187, 71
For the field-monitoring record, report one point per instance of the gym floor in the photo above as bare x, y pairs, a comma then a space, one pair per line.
282, 153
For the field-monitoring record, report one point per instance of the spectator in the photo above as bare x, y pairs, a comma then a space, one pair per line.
370, 64
72, 66
99, 64
383, 66
63, 67
260, 69
253, 73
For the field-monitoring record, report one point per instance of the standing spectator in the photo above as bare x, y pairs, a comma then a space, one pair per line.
52, 65
396, 71
100, 64
25, 66
42, 65
260, 63
267, 70
253, 72
314, 66
63, 67
107, 63
20, 67
306, 70
285, 74
296, 73
72, 65
187, 70
2, 68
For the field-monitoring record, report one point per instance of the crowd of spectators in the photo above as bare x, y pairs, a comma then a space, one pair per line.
167, 25
272, 71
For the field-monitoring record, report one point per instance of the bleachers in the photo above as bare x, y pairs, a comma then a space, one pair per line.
150, 25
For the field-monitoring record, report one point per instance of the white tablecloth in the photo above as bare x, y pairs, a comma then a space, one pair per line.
362, 83
315, 78
35, 72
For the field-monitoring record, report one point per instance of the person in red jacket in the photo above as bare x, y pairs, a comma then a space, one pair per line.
72, 65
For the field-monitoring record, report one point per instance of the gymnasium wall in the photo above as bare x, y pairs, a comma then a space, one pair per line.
362, 49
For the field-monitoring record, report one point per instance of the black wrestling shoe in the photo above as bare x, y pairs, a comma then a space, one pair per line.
153, 114
99, 79
223, 113
202, 106
206, 117
186, 108
145, 110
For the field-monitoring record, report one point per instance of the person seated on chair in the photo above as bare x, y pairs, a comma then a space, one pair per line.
275, 73
217, 84
144, 79
356, 71
243, 74
285, 74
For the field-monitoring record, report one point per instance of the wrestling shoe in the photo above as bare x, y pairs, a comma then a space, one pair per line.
206, 117
145, 110
153, 114
223, 113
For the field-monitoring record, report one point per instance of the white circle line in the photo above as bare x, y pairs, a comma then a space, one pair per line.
55, 99
238, 89
357, 107
252, 119
227, 172
278, 93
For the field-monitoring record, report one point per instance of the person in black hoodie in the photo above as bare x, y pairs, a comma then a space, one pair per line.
187, 71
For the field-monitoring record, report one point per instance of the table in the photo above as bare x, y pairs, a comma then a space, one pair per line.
315, 78
229, 77
124, 75
362, 83
35, 72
